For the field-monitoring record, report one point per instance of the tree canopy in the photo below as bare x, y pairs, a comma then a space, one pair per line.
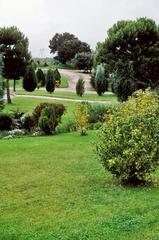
66, 45
132, 49
84, 61
14, 46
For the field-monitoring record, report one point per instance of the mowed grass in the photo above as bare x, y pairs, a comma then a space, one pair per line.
28, 104
54, 188
71, 95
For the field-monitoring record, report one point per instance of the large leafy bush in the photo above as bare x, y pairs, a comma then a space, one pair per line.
59, 110
129, 140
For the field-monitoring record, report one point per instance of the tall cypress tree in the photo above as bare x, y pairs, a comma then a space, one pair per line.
50, 81
101, 84
40, 78
29, 80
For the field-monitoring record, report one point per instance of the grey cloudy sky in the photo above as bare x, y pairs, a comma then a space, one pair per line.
87, 19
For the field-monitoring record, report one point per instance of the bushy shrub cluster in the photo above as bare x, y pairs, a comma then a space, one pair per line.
44, 120
47, 116
59, 111
47, 121
129, 140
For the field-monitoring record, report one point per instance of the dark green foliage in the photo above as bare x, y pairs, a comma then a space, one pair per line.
28, 123
122, 81
40, 78
17, 114
101, 83
57, 74
33, 63
50, 81
45, 64
1, 84
1, 93
66, 46
59, 110
14, 46
29, 80
80, 87
16, 117
84, 61
96, 112
5, 121
131, 53
47, 121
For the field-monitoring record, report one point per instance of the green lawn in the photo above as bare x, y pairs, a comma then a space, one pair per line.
28, 104
71, 95
53, 188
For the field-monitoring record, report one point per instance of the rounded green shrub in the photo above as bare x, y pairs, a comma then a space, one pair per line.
129, 141
47, 121
59, 111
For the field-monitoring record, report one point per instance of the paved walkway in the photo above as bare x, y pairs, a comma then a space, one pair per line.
73, 76
62, 99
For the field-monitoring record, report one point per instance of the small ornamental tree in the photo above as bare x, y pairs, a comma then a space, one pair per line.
50, 81
129, 141
29, 80
101, 84
81, 117
40, 78
80, 87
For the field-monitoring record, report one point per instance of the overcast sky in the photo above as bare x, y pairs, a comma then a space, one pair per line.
89, 20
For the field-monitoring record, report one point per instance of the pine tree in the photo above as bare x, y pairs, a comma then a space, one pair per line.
14, 47
29, 80
50, 81
40, 78
57, 74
